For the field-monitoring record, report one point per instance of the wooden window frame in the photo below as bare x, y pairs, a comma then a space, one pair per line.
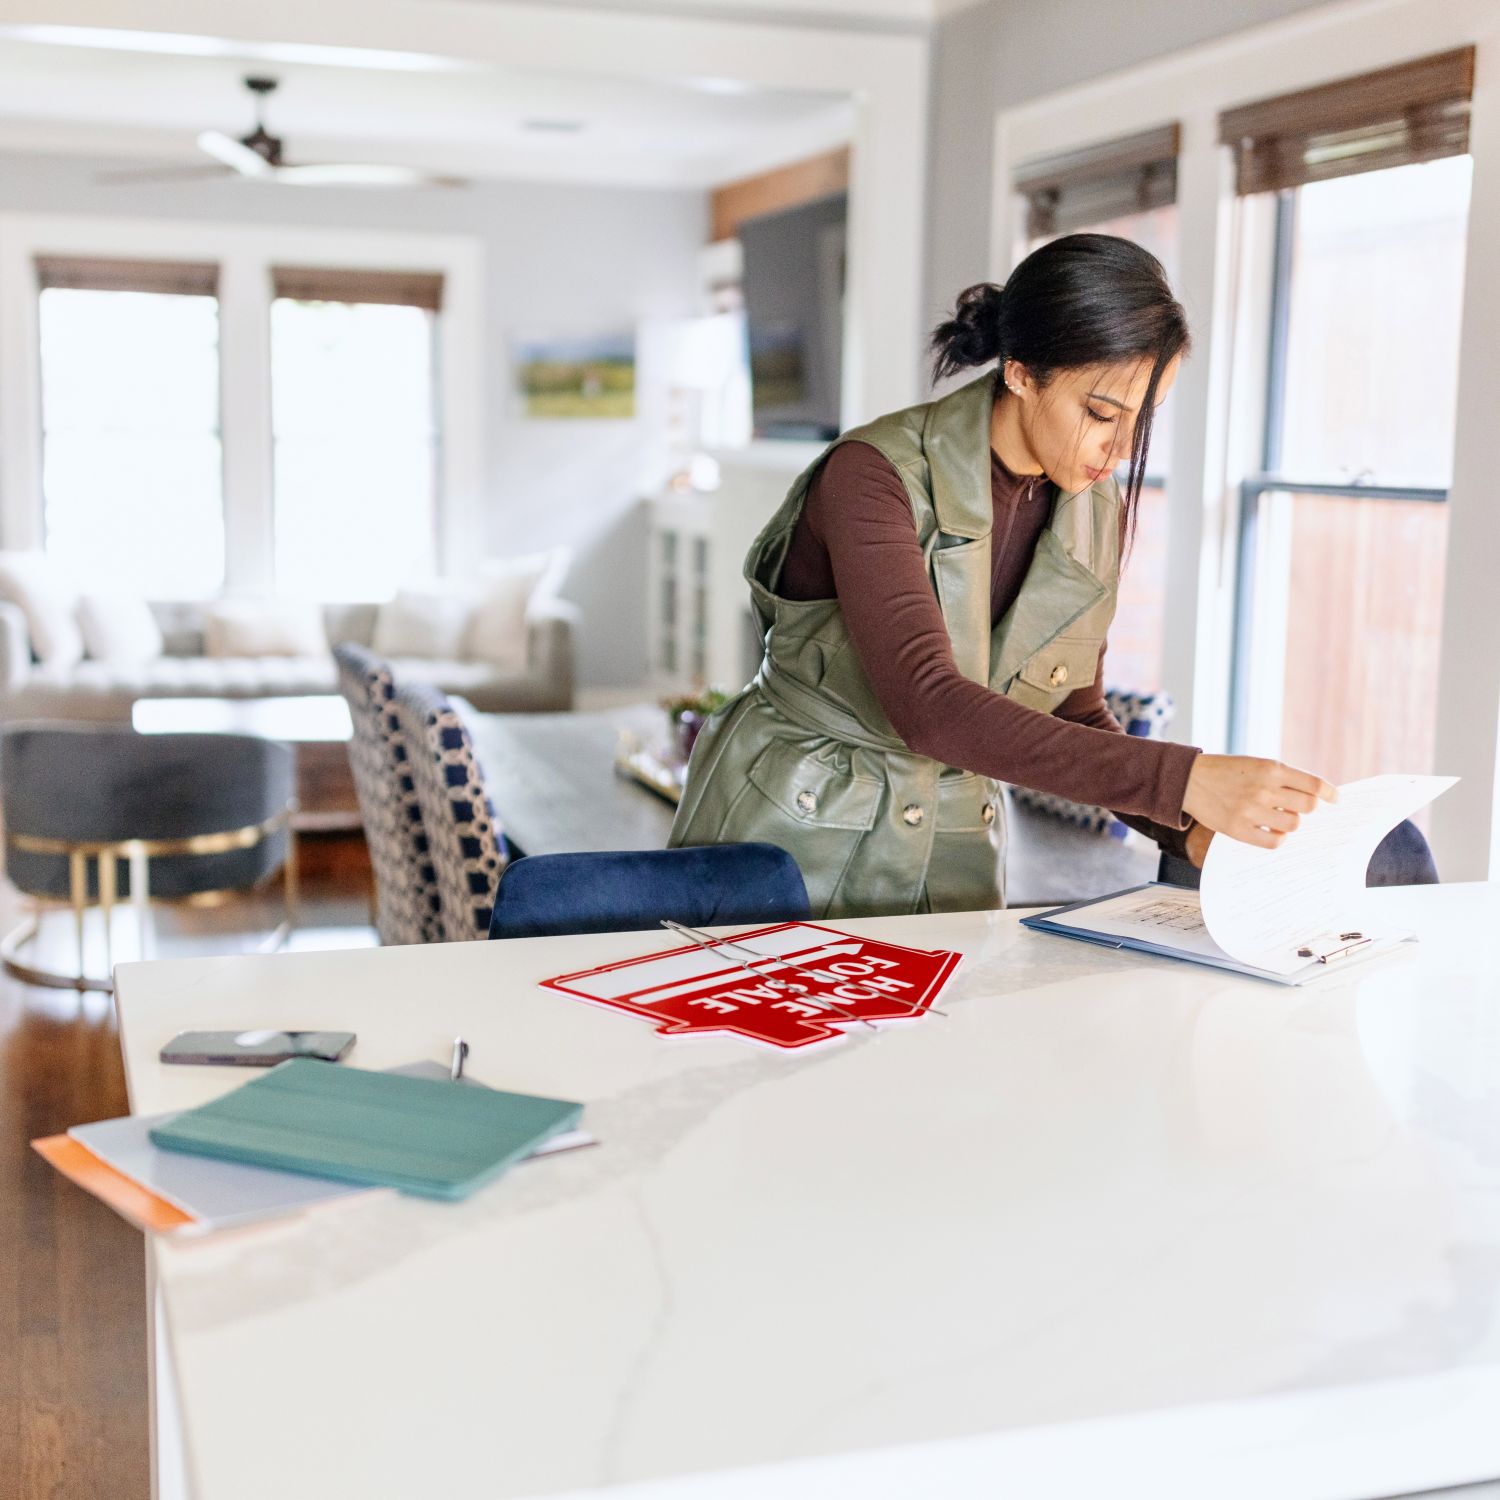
1095, 183
1412, 112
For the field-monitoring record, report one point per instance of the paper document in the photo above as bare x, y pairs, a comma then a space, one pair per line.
1164, 915
1285, 914
1262, 906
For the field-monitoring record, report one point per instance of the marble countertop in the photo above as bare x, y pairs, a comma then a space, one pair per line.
1115, 1222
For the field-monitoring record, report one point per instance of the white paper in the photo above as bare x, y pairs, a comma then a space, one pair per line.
222, 1194
1262, 905
1169, 916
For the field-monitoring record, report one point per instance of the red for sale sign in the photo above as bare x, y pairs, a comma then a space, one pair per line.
791, 985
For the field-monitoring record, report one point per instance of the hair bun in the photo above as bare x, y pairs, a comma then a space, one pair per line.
972, 336
980, 300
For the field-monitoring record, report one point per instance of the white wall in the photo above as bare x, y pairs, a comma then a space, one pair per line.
557, 258
1001, 53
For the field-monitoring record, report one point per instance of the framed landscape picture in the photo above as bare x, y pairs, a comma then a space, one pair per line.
587, 375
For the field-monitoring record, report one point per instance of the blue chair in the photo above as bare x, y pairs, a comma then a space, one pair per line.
1403, 857
547, 895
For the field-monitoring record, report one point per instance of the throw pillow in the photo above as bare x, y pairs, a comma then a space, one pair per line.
264, 627
424, 622
117, 627
33, 583
512, 588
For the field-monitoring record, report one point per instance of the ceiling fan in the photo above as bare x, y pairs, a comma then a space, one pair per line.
259, 156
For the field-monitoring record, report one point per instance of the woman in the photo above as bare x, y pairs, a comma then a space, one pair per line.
934, 597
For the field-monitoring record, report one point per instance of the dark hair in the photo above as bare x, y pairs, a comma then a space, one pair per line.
1084, 299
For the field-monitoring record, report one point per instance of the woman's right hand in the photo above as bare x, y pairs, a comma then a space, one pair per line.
1256, 801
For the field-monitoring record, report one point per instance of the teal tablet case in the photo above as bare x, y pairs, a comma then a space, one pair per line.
421, 1135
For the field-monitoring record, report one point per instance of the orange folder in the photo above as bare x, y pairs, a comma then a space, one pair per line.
135, 1204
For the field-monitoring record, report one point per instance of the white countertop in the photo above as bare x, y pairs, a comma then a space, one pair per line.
1118, 1226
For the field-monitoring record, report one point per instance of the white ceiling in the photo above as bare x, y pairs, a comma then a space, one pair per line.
906, 14
141, 98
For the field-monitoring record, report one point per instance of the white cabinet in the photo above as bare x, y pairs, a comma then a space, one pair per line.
699, 625
677, 591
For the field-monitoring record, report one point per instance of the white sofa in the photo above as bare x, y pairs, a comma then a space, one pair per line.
104, 692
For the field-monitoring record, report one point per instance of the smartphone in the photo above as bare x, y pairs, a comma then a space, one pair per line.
255, 1049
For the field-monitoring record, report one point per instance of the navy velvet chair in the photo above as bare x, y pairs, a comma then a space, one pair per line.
547, 895
1402, 857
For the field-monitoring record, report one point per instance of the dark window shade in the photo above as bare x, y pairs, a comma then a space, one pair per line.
1416, 111
1077, 188
88, 274
324, 284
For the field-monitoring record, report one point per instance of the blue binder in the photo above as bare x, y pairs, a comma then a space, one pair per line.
1065, 921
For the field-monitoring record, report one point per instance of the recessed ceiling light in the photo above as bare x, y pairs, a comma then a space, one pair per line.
182, 44
721, 85
554, 127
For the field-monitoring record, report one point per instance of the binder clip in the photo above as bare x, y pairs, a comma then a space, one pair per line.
1343, 944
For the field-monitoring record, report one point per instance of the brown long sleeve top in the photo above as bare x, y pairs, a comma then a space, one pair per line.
857, 541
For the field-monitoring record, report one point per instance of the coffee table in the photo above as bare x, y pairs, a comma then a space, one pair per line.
316, 726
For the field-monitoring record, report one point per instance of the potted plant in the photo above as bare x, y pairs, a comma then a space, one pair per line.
687, 714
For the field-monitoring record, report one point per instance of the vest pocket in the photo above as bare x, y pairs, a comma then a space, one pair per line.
812, 791
966, 803
1059, 668
963, 872
814, 810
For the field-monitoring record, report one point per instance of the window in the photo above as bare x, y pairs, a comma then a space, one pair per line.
132, 466
355, 432
1343, 534
1126, 188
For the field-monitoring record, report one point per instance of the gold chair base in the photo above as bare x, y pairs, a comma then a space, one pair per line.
138, 853
17, 967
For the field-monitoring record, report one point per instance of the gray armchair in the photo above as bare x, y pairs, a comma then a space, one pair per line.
99, 814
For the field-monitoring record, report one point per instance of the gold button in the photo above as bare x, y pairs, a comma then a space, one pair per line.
1059, 675
807, 803
912, 815
988, 814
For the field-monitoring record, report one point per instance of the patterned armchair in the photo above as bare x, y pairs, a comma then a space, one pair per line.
463, 835
408, 907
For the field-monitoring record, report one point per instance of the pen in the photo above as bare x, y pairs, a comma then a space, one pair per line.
460, 1053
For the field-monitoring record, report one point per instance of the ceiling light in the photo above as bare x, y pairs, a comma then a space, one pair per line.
182, 44
721, 85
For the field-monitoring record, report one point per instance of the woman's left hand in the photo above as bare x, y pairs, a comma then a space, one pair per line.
1197, 842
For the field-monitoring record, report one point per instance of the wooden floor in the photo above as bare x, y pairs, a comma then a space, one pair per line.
72, 1279
72, 1293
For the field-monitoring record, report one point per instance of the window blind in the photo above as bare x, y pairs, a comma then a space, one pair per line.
328, 284
96, 274
1074, 189
1413, 112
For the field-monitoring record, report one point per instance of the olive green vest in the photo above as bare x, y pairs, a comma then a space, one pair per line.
805, 757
